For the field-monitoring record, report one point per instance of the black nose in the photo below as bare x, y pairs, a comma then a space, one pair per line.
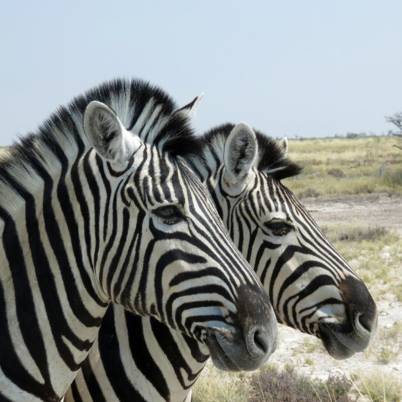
368, 321
358, 303
257, 321
257, 342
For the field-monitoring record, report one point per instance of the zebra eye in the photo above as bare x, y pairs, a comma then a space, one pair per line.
169, 214
279, 228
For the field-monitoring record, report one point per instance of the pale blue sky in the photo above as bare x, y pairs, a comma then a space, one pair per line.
311, 67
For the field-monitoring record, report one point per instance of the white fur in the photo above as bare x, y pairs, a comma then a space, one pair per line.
240, 155
99, 122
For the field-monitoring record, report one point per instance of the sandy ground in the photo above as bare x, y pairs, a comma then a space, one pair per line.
368, 210
373, 210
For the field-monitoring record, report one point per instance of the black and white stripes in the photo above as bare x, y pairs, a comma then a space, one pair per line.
309, 284
124, 222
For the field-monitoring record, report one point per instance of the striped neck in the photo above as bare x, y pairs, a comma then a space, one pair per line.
47, 272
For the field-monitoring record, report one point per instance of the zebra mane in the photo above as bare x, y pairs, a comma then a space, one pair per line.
132, 100
271, 158
142, 108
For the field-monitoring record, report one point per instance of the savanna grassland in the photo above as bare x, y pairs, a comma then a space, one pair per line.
353, 187
340, 166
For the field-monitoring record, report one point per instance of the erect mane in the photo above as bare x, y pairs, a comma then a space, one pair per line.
129, 99
271, 158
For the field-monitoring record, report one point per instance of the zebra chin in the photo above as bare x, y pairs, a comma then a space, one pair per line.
344, 340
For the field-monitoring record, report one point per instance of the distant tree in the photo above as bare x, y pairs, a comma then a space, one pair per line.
396, 120
356, 135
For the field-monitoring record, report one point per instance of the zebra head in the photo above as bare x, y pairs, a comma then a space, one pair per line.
170, 257
311, 287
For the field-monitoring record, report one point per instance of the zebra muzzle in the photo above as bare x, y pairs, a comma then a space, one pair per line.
355, 332
254, 335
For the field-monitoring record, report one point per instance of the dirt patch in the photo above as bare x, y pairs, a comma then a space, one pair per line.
377, 210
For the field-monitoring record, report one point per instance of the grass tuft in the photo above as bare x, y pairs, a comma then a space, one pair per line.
215, 385
273, 385
393, 178
377, 387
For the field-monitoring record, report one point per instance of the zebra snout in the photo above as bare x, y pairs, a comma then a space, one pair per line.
360, 306
353, 335
257, 321
253, 337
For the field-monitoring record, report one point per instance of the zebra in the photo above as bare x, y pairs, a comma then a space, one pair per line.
311, 287
92, 215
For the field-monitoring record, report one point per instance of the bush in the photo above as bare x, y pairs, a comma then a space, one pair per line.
379, 388
393, 178
273, 385
336, 173
308, 193
355, 233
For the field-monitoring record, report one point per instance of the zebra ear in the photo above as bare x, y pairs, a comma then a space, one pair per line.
190, 108
107, 135
240, 154
283, 145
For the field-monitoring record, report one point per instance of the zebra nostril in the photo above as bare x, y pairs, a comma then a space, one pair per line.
260, 340
359, 304
365, 321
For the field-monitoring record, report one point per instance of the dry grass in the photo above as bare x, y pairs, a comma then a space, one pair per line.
393, 178
269, 385
215, 385
387, 345
273, 385
335, 166
377, 387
